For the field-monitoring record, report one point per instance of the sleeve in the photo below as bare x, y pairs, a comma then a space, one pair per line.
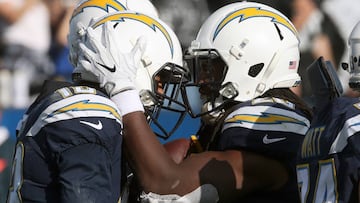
354, 142
85, 174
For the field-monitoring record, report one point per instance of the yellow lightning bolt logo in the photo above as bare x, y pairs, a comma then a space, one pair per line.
85, 105
101, 4
252, 12
150, 22
265, 118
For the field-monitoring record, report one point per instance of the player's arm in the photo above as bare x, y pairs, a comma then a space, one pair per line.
177, 149
226, 170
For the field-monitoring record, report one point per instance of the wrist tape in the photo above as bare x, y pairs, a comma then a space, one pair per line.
128, 102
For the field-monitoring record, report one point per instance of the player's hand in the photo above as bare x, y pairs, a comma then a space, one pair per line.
74, 51
115, 70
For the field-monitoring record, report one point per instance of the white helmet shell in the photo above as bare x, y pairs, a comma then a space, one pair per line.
248, 35
354, 59
89, 10
162, 45
160, 68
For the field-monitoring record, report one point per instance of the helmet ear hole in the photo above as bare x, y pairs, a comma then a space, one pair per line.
254, 70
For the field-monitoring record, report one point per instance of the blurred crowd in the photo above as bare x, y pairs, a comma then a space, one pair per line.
33, 42
33, 38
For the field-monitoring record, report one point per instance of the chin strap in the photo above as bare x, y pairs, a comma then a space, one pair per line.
208, 134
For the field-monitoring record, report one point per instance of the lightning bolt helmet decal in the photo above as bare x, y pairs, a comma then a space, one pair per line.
253, 12
101, 4
147, 20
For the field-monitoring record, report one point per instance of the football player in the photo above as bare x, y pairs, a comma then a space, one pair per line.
328, 162
69, 143
244, 52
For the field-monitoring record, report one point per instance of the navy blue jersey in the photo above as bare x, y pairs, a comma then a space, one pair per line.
328, 166
68, 148
273, 128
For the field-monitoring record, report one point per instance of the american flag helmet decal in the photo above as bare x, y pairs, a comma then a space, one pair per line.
292, 64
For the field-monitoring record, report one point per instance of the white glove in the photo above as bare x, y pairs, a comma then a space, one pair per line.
115, 70
75, 40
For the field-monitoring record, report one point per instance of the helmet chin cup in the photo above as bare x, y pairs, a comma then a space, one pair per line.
210, 111
213, 107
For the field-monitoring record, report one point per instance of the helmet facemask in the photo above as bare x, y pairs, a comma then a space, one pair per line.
354, 58
165, 99
208, 71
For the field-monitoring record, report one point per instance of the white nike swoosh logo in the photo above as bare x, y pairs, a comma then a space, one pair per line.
94, 125
267, 140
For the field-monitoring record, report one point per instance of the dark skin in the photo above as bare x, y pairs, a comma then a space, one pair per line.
241, 172
177, 149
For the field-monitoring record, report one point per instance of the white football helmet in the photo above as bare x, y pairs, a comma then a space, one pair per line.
160, 73
90, 10
242, 50
354, 59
